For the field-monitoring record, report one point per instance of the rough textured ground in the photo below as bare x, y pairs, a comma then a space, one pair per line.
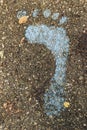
20, 101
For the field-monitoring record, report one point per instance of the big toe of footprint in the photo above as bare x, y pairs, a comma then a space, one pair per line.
56, 40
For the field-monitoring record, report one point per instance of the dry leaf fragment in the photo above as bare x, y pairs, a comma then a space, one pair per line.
22, 40
66, 104
23, 19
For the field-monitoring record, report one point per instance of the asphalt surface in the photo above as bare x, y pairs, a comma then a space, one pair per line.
21, 65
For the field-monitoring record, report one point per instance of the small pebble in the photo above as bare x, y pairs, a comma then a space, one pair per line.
1, 54
47, 13
84, 124
1, 127
1, 2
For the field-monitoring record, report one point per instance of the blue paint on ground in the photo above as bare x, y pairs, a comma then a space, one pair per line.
53, 100
21, 13
46, 13
55, 16
55, 39
63, 20
35, 13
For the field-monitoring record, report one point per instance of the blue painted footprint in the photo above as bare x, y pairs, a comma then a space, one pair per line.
55, 39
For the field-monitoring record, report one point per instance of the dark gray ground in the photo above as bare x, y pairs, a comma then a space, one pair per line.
21, 103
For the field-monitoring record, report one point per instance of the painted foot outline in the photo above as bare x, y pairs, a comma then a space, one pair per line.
56, 40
